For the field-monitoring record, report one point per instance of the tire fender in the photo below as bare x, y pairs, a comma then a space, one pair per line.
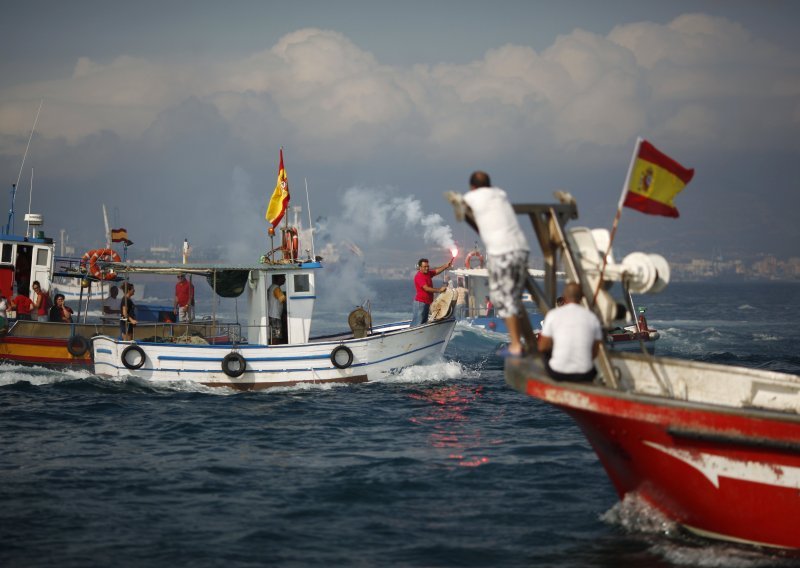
233, 364
77, 345
342, 357
126, 357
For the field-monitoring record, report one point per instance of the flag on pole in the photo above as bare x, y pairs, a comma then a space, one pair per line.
280, 197
654, 179
120, 236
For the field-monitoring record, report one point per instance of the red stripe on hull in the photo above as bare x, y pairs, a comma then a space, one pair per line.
734, 475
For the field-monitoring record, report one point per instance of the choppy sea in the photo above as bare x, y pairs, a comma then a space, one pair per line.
441, 465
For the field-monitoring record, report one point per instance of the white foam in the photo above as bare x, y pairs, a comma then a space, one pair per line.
37, 375
434, 372
765, 337
635, 515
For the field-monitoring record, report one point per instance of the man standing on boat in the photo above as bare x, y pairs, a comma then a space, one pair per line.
41, 302
22, 306
276, 303
423, 283
507, 257
184, 300
111, 309
127, 307
572, 333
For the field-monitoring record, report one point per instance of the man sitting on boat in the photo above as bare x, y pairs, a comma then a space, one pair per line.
572, 334
60, 312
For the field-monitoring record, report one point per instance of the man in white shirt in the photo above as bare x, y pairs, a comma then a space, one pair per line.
111, 309
507, 257
572, 334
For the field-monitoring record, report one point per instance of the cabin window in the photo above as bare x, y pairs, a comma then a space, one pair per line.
42, 257
6, 253
302, 283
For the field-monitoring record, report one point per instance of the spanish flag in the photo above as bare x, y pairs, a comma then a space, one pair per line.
120, 236
654, 180
280, 197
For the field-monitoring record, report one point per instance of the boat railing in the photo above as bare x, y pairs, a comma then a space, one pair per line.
203, 332
198, 332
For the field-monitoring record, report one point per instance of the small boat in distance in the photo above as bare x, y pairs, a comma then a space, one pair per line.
628, 337
715, 448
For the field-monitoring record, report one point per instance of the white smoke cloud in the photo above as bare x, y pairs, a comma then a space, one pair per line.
371, 215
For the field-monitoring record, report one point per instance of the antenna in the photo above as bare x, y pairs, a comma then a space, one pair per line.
310, 225
30, 200
10, 224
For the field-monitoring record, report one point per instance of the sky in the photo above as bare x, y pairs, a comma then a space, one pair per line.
172, 115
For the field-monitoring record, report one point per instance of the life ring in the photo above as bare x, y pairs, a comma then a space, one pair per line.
233, 364
90, 258
470, 256
336, 358
290, 244
136, 364
77, 345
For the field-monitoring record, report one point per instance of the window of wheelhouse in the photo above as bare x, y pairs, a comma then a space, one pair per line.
5, 256
302, 283
42, 257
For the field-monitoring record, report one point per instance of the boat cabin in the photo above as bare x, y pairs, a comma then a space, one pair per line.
291, 325
24, 260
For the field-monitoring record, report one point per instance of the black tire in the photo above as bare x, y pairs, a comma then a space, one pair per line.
77, 345
336, 357
133, 349
234, 365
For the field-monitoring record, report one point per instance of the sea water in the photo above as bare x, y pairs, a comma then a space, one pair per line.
440, 465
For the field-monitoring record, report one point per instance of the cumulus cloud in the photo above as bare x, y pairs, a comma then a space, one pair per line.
694, 81
585, 88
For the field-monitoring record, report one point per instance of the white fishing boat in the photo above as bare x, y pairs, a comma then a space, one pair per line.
258, 353
247, 355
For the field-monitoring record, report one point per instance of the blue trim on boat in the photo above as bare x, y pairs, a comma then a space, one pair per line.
259, 371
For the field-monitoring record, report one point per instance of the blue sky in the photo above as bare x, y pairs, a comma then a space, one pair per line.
173, 113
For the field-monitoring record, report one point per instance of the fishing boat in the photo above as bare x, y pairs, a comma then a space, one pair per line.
634, 336
27, 258
252, 354
716, 448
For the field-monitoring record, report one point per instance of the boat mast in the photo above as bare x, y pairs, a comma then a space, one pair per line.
108, 229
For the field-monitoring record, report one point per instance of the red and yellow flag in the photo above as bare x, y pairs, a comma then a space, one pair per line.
280, 197
654, 181
120, 236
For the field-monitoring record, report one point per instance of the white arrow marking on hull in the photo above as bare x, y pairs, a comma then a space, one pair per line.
714, 467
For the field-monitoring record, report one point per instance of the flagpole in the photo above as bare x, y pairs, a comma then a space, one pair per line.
617, 216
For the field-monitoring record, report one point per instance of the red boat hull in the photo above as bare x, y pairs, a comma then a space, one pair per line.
732, 474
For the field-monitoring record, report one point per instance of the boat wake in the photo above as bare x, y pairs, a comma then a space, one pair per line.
38, 376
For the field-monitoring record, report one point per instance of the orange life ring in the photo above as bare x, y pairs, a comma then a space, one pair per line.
290, 243
470, 256
90, 258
